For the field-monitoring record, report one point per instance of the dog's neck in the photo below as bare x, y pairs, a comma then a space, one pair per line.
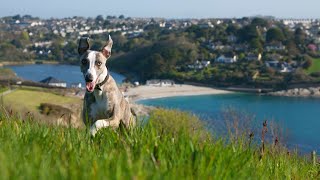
97, 93
98, 86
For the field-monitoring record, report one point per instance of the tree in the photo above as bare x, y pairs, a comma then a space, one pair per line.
120, 41
242, 56
121, 16
299, 36
288, 34
110, 17
99, 19
25, 36
270, 71
256, 45
292, 48
299, 75
57, 49
155, 66
274, 35
259, 22
248, 33
232, 29
191, 56
9, 52
207, 73
16, 17
307, 62
106, 23
17, 43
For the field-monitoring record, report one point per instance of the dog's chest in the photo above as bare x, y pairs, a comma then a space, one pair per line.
100, 108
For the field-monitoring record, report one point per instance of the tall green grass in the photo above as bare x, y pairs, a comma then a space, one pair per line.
170, 145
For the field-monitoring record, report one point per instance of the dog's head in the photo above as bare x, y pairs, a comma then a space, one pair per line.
93, 63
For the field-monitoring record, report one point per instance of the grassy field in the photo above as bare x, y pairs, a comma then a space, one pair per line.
171, 145
315, 66
3, 89
23, 99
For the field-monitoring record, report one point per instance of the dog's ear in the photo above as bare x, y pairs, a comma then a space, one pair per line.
83, 45
106, 50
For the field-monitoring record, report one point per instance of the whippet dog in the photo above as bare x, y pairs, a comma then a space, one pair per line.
104, 104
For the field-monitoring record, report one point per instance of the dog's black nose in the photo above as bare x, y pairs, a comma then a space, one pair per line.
89, 78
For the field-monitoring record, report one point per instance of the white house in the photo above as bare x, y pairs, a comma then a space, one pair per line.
199, 65
275, 47
160, 83
272, 63
206, 25
76, 85
280, 67
285, 69
227, 60
136, 83
232, 38
253, 57
51, 81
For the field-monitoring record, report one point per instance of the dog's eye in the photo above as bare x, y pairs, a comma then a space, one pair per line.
99, 63
84, 61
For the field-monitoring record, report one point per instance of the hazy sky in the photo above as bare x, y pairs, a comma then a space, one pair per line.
163, 8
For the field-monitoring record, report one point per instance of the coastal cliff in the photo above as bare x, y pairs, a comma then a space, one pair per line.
298, 92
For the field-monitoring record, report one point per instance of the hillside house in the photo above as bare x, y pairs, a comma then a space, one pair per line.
160, 82
232, 39
282, 67
274, 47
199, 65
226, 60
76, 85
253, 57
206, 25
51, 81
273, 64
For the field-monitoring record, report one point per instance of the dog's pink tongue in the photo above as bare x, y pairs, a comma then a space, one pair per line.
90, 86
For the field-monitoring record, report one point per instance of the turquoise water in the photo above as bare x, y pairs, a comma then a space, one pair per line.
299, 118
67, 73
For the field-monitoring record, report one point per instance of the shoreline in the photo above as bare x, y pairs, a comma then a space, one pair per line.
313, 92
191, 89
152, 92
144, 92
17, 63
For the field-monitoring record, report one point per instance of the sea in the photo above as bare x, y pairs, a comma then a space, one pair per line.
294, 121
69, 73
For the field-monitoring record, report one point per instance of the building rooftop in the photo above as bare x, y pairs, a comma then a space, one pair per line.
51, 80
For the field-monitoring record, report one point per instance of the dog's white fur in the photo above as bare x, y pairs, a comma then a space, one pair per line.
97, 126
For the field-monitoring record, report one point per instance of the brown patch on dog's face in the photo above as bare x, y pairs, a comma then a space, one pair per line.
100, 63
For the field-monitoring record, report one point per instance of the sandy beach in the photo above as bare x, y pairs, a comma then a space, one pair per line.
150, 92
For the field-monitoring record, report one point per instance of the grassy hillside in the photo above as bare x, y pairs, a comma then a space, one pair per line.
6, 73
171, 145
3, 89
23, 99
315, 67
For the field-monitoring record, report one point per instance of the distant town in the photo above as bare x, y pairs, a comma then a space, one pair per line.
254, 51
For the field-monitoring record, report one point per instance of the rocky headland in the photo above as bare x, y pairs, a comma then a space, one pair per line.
298, 92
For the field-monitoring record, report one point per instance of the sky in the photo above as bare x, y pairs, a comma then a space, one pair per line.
163, 8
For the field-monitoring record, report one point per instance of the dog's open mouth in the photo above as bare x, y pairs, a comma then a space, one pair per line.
90, 86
